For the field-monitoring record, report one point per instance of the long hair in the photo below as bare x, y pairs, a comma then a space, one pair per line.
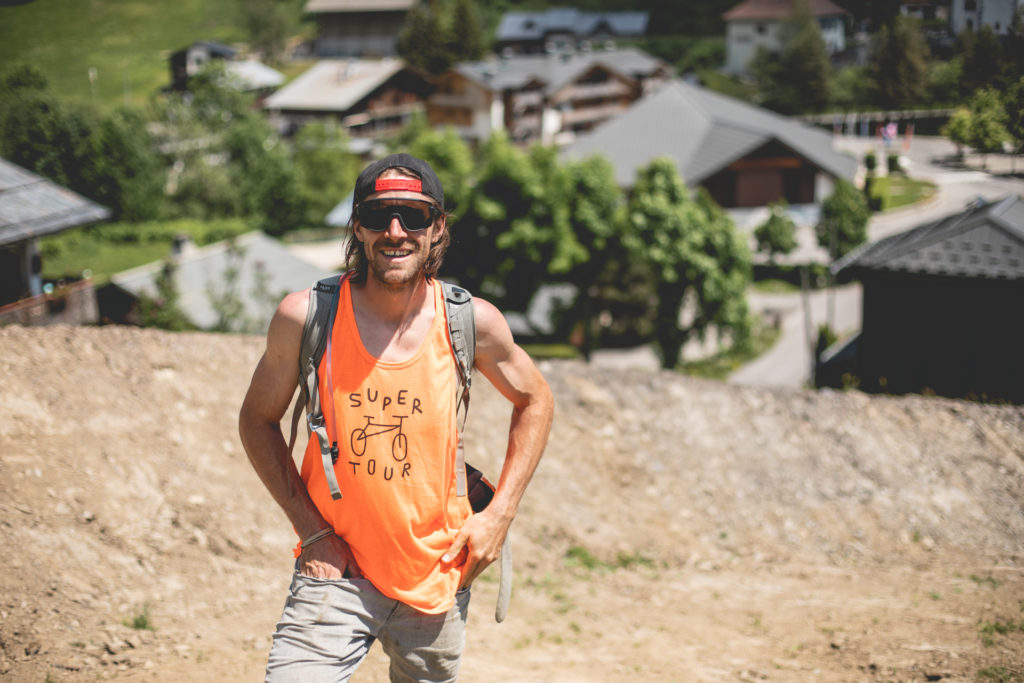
355, 256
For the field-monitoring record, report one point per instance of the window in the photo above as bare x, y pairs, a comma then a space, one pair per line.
970, 5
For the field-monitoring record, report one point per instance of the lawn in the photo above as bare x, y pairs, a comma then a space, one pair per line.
904, 191
110, 248
897, 190
126, 42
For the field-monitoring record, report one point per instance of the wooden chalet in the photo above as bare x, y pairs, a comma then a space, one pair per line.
542, 98
370, 98
743, 155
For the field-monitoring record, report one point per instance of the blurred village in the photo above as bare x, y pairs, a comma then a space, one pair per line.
769, 192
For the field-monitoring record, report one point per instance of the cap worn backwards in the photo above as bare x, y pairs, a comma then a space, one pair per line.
370, 183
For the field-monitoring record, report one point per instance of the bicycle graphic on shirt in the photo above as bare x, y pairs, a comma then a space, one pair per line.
399, 444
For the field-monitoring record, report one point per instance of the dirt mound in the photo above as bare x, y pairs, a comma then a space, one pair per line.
676, 529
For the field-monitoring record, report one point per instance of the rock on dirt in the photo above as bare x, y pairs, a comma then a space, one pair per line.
677, 529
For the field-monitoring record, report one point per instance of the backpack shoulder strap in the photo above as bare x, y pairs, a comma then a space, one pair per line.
323, 305
462, 335
458, 304
461, 328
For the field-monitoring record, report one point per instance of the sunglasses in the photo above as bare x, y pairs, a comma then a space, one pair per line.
416, 215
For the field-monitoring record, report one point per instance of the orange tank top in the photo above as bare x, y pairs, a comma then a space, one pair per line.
396, 431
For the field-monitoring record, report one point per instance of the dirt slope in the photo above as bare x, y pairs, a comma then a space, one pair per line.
677, 529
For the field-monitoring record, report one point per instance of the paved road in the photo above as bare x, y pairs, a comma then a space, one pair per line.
788, 364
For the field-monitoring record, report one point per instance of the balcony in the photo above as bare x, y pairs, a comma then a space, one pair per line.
70, 304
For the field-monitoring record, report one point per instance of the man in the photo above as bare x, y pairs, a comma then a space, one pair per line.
394, 557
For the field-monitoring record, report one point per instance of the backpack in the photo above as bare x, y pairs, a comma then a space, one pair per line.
316, 341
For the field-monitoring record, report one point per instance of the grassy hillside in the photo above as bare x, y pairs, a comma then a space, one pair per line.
127, 42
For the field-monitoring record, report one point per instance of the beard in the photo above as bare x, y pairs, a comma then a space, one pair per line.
398, 273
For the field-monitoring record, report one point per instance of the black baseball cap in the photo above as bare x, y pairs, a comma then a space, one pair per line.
368, 182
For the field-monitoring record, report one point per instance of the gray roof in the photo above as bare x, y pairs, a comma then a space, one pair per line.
555, 71
334, 85
986, 240
516, 26
703, 131
254, 75
200, 269
32, 206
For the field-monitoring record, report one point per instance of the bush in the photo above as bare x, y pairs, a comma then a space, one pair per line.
893, 163
871, 161
876, 190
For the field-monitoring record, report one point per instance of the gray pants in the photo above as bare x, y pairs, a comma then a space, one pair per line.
328, 626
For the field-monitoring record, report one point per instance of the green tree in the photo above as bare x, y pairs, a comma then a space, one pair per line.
16, 82
944, 79
898, 63
843, 225
163, 310
506, 192
849, 88
958, 129
108, 158
269, 24
421, 41
225, 159
325, 170
49, 138
538, 245
450, 157
265, 174
695, 257
595, 206
982, 60
1013, 47
777, 235
988, 123
795, 79
1013, 105
464, 35
127, 175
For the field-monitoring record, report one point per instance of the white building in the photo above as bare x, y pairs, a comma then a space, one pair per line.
758, 23
973, 14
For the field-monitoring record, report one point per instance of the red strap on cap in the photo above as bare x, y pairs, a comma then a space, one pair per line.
385, 184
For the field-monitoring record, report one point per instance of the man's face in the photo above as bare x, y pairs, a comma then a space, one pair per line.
395, 250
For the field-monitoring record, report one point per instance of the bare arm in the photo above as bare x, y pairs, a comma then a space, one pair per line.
259, 425
514, 374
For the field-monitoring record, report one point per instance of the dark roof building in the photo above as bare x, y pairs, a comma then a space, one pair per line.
564, 30
245, 74
943, 307
187, 61
358, 28
743, 155
32, 207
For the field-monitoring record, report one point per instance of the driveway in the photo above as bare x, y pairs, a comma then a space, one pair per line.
788, 363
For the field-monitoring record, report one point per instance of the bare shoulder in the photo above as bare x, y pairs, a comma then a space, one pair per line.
285, 331
502, 361
492, 329
294, 305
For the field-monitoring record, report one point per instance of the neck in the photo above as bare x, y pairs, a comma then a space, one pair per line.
396, 304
